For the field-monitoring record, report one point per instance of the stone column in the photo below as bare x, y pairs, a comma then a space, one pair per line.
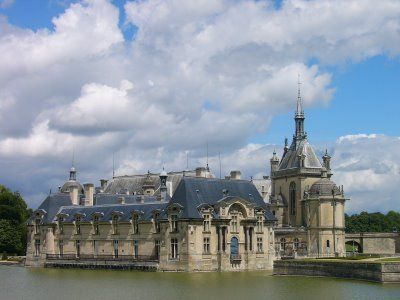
247, 239
220, 238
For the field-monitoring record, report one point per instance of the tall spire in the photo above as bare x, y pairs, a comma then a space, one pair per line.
299, 116
72, 171
299, 110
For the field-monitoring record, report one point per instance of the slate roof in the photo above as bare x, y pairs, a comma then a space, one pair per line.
103, 198
292, 157
106, 212
135, 183
190, 194
52, 204
195, 191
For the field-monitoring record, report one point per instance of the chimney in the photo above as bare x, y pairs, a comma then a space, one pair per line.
236, 175
163, 185
73, 193
89, 191
200, 172
103, 183
121, 200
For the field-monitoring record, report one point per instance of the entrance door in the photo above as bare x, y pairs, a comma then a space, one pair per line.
234, 246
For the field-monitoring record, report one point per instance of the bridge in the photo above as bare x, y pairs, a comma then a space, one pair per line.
373, 242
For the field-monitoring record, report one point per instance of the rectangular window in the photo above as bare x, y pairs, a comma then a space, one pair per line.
174, 223
78, 225
37, 247
135, 248
259, 245
61, 248
206, 223
78, 248
157, 248
174, 248
116, 249
259, 224
206, 245
234, 224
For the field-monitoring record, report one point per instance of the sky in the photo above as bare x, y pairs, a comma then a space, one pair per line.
156, 81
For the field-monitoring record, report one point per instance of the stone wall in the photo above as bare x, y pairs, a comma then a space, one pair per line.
371, 271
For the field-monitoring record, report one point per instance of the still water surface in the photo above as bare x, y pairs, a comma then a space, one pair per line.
22, 283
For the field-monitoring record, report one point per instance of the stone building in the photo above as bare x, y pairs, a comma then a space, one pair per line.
308, 205
191, 221
207, 225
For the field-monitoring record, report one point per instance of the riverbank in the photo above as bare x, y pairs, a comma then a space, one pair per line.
370, 270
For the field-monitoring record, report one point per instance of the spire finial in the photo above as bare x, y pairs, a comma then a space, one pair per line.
299, 110
299, 115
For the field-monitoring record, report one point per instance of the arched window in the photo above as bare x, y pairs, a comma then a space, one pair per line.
292, 198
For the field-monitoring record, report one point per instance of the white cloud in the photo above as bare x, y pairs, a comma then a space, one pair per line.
196, 71
6, 3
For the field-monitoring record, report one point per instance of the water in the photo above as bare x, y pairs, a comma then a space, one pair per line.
22, 283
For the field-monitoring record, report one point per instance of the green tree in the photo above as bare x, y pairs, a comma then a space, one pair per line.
13, 215
373, 222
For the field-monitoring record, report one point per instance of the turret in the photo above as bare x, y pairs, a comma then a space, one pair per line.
274, 163
327, 163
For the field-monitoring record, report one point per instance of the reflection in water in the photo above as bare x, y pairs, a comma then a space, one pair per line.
22, 283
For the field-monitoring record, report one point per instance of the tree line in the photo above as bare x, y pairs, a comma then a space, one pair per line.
373, 222
13, 216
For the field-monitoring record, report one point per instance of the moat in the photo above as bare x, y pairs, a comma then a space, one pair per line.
25, 283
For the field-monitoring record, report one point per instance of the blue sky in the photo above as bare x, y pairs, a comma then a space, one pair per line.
152, 80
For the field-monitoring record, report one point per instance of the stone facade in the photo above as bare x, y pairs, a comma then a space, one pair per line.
231, 229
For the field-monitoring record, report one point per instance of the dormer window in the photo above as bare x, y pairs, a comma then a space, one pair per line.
115, 220
37, 224
61, 225
78, 224
135, 224
96, 229
206, 223
157, 222
174, 223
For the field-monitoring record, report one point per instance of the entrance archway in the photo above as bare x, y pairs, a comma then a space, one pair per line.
353, 246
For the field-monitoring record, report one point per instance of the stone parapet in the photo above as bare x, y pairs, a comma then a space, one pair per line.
372, 271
